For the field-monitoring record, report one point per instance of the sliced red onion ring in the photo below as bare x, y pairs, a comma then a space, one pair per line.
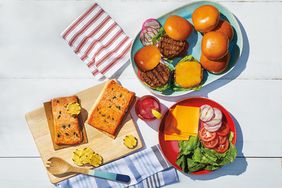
151, 22
212, 128
207, 113
147, 35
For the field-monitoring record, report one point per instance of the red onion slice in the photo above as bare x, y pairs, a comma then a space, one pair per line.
147, 35
206, 113
152, 23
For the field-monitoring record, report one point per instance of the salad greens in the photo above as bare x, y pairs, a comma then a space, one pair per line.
158, 36
188, 58
193, 156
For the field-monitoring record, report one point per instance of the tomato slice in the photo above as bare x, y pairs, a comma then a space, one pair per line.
223, 130
211, 144
221, 148
222, 139
206, 136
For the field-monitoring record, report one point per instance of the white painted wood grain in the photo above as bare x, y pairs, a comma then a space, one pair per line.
252, 172
32, 48
36, 65
255, 109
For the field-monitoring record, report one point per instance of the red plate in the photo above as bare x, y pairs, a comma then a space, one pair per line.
170, 148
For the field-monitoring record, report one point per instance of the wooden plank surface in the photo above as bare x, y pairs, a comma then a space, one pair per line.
247, 100
34, 61
98, 141
250, 172
52, 54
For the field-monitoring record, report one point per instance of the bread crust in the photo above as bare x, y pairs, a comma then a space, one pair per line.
110, 108
67, 130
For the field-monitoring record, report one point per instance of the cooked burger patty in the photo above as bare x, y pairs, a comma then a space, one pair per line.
157, 77
171, 48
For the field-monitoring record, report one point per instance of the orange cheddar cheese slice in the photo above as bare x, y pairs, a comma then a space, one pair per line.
184, 122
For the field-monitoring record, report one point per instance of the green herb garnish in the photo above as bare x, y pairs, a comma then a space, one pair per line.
158, 36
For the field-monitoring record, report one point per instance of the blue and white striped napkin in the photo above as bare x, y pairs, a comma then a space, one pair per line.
147, 168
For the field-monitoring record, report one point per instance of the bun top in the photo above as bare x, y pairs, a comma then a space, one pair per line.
225, 27
177, 27
147, 58
215, 45
205, 18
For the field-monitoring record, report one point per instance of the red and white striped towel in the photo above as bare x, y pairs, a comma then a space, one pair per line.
98, 41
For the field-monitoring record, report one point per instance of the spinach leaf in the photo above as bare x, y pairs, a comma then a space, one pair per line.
193, 156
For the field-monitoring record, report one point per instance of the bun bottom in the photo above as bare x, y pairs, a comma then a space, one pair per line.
215, 66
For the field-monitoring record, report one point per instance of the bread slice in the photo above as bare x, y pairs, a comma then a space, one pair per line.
67, 130
110, 108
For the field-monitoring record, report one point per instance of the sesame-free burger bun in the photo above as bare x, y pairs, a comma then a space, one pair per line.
226, 28
205, 18
147, 58
215, 45
177, 27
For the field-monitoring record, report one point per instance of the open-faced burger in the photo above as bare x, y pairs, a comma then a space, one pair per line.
171, 48
173, 43
152, 71
188, 74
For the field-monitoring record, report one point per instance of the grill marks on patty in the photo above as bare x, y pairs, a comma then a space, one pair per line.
171, 48
157, 77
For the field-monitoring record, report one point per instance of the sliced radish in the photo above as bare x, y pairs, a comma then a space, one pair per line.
217, 113
212, 128
216, 119
207, 113
147, 35
151, 22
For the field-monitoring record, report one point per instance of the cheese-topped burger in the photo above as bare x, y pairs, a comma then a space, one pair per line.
188, 74
151, 71
173, 43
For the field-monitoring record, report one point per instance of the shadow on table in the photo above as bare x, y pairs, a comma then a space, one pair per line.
238, 167
154, 124
233, 74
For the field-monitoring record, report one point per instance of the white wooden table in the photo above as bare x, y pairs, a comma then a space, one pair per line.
36, 65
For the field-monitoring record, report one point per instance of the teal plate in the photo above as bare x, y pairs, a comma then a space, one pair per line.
194, 40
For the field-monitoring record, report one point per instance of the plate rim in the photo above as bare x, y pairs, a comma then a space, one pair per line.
201, 172
177, 94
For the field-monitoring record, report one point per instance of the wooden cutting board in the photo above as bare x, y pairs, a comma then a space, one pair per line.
110, 149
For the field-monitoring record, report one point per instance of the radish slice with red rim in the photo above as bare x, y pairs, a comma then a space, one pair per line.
152, 23
217, 113
207, 113
212, 128
215, 122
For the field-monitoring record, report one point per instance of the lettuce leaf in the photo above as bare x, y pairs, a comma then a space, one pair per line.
158, 37
193, 156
